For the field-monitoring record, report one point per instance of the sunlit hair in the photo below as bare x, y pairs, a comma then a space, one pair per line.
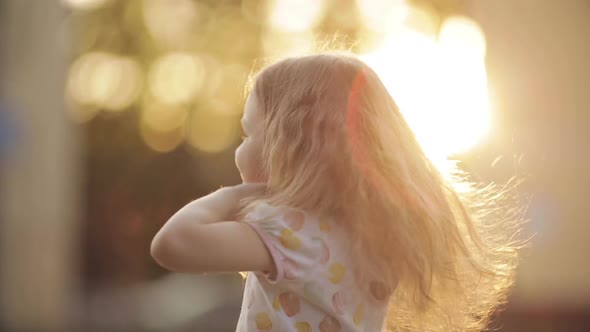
336, 144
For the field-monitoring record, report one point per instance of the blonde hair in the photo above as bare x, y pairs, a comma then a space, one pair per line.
336, 144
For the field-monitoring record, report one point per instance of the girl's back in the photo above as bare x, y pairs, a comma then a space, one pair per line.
313, 288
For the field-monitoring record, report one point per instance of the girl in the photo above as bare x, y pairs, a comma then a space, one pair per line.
344, 222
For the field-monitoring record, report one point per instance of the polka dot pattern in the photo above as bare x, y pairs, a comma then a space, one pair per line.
312, 288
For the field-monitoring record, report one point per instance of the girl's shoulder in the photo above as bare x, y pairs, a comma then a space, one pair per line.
294, 219
263, 210
299, 241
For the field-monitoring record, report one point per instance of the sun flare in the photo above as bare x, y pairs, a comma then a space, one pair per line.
439, 84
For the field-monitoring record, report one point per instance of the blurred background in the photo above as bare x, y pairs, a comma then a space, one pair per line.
113, 114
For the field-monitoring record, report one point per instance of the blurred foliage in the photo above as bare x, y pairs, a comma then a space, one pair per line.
131, 188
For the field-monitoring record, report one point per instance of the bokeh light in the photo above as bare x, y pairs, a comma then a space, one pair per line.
278, 44
418, 54
254, 10
295, 15
213, 75
162, 118
462, 36
232, 79
223, 106
176, 78
85, 4
383, 15
124, 77
104, 80
172, 22
422, 19
230, 22
440, 86
161, 140
211, 131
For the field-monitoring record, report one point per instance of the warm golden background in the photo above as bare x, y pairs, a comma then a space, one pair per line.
114, 113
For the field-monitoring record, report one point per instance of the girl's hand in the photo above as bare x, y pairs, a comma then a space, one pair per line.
203, 237
231, 198
244, 190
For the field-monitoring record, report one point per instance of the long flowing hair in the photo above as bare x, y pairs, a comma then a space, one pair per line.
335, 143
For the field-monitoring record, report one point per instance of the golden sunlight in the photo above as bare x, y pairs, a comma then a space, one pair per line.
212, 132
161, 141
383, 15
162, 118
172, 23
85, 4
280, 44
295, 15
176, 78
439, 84
104, 80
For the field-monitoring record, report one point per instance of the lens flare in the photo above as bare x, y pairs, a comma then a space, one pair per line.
463, 36
440, 86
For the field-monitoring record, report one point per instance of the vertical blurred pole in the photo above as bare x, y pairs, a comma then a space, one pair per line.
39, 193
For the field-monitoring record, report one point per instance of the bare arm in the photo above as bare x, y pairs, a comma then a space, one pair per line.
198, 238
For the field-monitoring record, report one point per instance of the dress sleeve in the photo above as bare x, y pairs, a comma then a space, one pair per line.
293, 239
